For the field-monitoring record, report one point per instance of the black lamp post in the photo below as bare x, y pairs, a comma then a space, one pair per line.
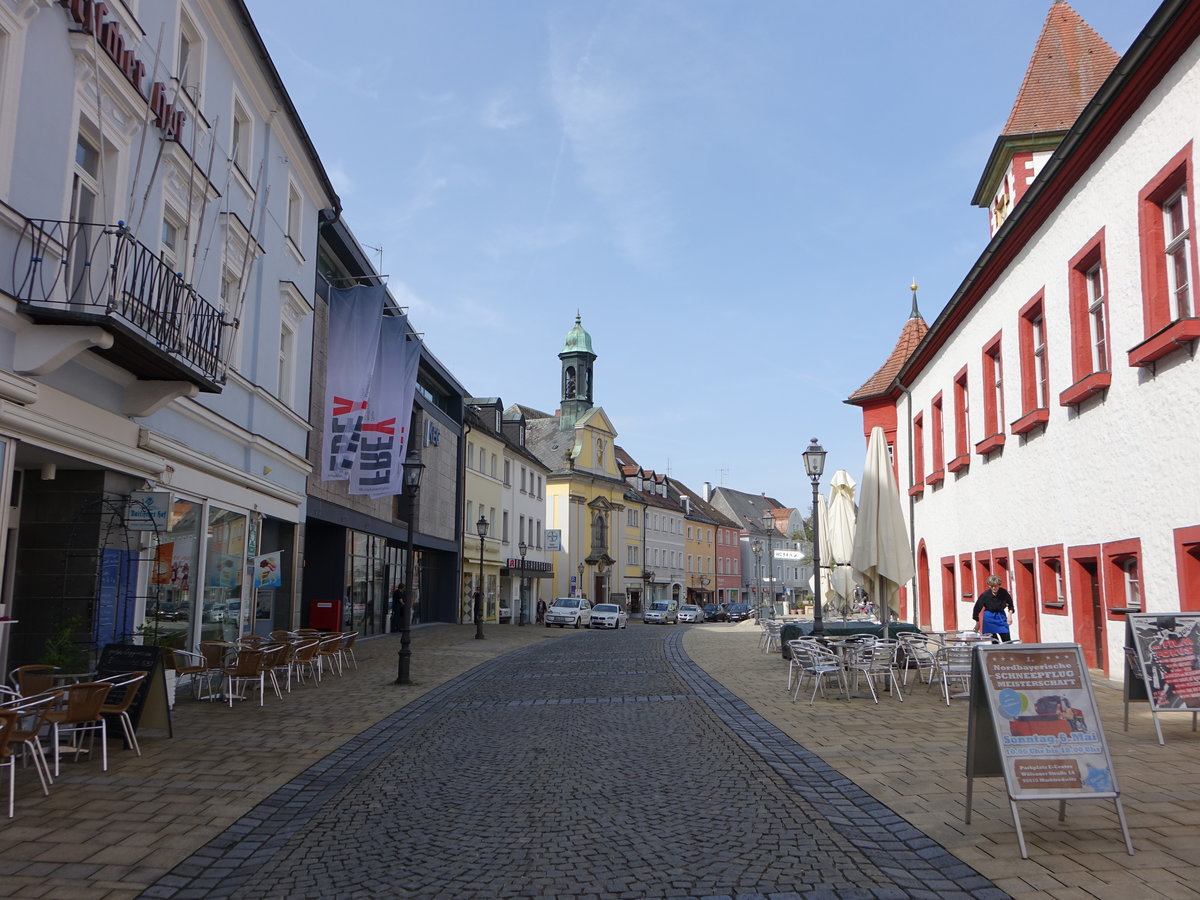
648, 577
579, 584
757, 548
413, 467
481, 527
814, 465
768, 522
523, 548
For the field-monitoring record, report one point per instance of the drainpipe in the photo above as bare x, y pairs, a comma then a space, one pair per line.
912, 505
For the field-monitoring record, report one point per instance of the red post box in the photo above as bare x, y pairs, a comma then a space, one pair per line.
325, 614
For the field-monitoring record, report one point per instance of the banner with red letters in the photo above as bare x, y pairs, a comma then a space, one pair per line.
355, 323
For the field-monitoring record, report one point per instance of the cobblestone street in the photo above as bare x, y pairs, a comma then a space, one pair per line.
600, 765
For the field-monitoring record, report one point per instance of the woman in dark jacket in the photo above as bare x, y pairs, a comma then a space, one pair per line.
994, 610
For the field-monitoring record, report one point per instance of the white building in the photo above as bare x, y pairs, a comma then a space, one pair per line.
160, 210
1040, 425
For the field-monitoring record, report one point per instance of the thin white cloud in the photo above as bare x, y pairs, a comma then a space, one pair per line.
501, 113
603, 119
526, 240
342, 182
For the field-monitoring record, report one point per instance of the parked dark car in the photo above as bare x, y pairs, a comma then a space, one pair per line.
715, 612
739, 612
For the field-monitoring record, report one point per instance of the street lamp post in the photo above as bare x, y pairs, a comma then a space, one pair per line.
814, 465
413, 467
757, 548
481, 527
523, 548
579, 584
768, 521
648, 577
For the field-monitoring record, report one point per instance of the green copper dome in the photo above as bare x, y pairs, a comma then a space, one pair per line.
578, 340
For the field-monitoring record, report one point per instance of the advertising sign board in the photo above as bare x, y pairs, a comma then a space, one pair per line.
1034, 721
1163, 650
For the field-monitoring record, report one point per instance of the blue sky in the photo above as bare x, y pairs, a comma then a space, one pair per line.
734, 195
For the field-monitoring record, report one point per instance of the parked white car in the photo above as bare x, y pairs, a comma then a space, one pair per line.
608, 615
566, 611
690, 613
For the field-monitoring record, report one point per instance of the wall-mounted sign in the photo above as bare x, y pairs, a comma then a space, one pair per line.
554, 539
530, 565
1033, 719
149, 511
433, 434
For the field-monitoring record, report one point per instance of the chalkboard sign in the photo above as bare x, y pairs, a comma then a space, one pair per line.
1163, 650
150, 705
1034, 720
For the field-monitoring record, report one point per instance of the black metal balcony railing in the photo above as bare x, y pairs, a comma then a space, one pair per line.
84, 271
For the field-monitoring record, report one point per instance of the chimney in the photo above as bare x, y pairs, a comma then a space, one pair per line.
707, 491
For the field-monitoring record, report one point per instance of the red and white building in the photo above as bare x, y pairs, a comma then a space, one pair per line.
1044, 424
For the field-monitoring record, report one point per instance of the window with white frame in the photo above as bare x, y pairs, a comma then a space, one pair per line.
292, 310
482, 460
1177, 237
241, 138
521, 528
1041, 379
507, 472
493, 465
470, 513
470, 457
1094, 282
172, 240
538, 534
523, 470
295, 216
504, 530
1133, 583
189, 66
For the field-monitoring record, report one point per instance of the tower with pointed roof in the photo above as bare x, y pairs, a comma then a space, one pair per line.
1068, 65
577, 362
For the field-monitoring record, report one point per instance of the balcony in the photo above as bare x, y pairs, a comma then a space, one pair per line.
87, 274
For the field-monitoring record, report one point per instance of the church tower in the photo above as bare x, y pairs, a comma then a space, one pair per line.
577, 361
1069, 64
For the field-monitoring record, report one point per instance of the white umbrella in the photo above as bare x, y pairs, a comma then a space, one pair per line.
882, 560
843, 513
825, 554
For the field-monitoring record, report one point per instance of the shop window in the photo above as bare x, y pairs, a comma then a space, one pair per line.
1087, 282
1166, 228
224, 563
993, 398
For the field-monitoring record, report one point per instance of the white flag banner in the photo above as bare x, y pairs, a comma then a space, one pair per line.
379, 466
355, 320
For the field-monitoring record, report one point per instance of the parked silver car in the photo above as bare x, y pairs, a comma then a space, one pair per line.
661, 612
690, 613
608, 615
566, 611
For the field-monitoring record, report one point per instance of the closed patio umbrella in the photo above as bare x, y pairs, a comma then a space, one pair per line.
882, 559
843, 513
828, 596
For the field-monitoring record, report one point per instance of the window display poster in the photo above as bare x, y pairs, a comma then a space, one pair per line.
1168, 648
1048, 734
266, 570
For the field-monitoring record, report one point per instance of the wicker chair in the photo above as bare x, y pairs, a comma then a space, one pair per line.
33, 679
330, 649
303, 660
194, 667
80, 714
346, 651
246, 668
124, 691
31, 719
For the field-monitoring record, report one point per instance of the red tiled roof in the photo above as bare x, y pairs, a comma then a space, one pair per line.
914, 329
1069, 64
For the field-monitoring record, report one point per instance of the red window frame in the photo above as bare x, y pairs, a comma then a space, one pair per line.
1083, 621
1091, 354
1187, 567
1026, 599
1115, 555
937, 423
966, 570
1164, 333
1035, 375
918, 460
992, 371
962, 423
949, 605
1048, 583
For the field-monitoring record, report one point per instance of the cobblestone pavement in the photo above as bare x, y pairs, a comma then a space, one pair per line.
602, 765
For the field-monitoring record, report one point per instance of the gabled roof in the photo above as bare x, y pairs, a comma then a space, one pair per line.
701, 509
1068, 65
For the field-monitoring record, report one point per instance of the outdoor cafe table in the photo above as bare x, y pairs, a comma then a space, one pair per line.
843, 647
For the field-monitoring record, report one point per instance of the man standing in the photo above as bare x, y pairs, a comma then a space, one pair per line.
397, 606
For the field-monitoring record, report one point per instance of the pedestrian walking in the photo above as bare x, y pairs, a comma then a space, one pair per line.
994, 610
398, 601
541, 612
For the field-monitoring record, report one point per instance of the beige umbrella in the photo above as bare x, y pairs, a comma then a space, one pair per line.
828, 597
842, 516
882, 559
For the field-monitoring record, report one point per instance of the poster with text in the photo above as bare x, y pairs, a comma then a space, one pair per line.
1048, 729
1168, 648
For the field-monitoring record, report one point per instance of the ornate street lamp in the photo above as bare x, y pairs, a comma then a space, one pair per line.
768, 522
648, 577
757, 548
579, 583
814, 465
523, 548
413, 467
481, 527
